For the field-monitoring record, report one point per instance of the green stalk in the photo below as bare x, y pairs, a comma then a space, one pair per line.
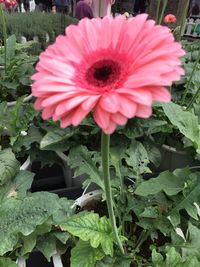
105, 146
190, 79
162, 12
193, 99
183, 18
122, 191
2, 18
157, 11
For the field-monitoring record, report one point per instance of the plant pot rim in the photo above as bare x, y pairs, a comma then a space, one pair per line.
168, 148
26, 164
84, 199
26, 99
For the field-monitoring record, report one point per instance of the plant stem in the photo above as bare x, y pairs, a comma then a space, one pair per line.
142, 238
2, 17
157, 11
122, 191
105, 146
193, 99
183, 17
162, 12
190, 79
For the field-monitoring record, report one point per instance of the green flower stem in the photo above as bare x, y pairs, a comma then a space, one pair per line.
122, 191
163, 11
190, 79
2, 18
193, 99
183, 18
157, 11
105, 146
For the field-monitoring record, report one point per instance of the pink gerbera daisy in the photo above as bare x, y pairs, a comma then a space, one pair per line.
113, 67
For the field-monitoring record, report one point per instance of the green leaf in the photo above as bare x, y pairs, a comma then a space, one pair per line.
185, 121
10, 51
85, 162
166, 181
150, 212
47, 245
113, 262
173, 258
9, 166
193, 247
23, 182
29, 243
137, 158
90, 227
184, 203
56, 139
153, 153
156, 257
83, 255
7, 262
22, 216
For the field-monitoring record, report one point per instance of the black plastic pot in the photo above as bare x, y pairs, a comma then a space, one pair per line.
52, 178
36, 259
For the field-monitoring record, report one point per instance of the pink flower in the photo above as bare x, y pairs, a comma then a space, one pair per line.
113, 67
169, 18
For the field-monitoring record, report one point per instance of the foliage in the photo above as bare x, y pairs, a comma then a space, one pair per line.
27, 219
7, 262
37, 24
15, 79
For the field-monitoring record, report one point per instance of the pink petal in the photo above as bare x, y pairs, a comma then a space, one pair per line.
101, 117
127, 108
78, 116
138, 95
110, 103
66, 121
90, 103
118, 118
111, 128
48, 112
143, 111
38, 103
161, 94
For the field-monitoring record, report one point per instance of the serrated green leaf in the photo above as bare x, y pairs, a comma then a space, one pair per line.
62, 236
83, 255
156, 257
150, 212
56, 139
137, 158
191, 197
47, 245
23, 182
153, 153
9, 166
185, 121
166, 181
22, 216
29, 243
193, 247
90, 227
7, 262
173, 258
113, 262
85, 162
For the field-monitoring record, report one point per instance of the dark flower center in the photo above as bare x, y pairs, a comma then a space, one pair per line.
103, 73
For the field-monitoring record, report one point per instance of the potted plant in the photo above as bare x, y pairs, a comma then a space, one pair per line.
133, 230
142, 222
